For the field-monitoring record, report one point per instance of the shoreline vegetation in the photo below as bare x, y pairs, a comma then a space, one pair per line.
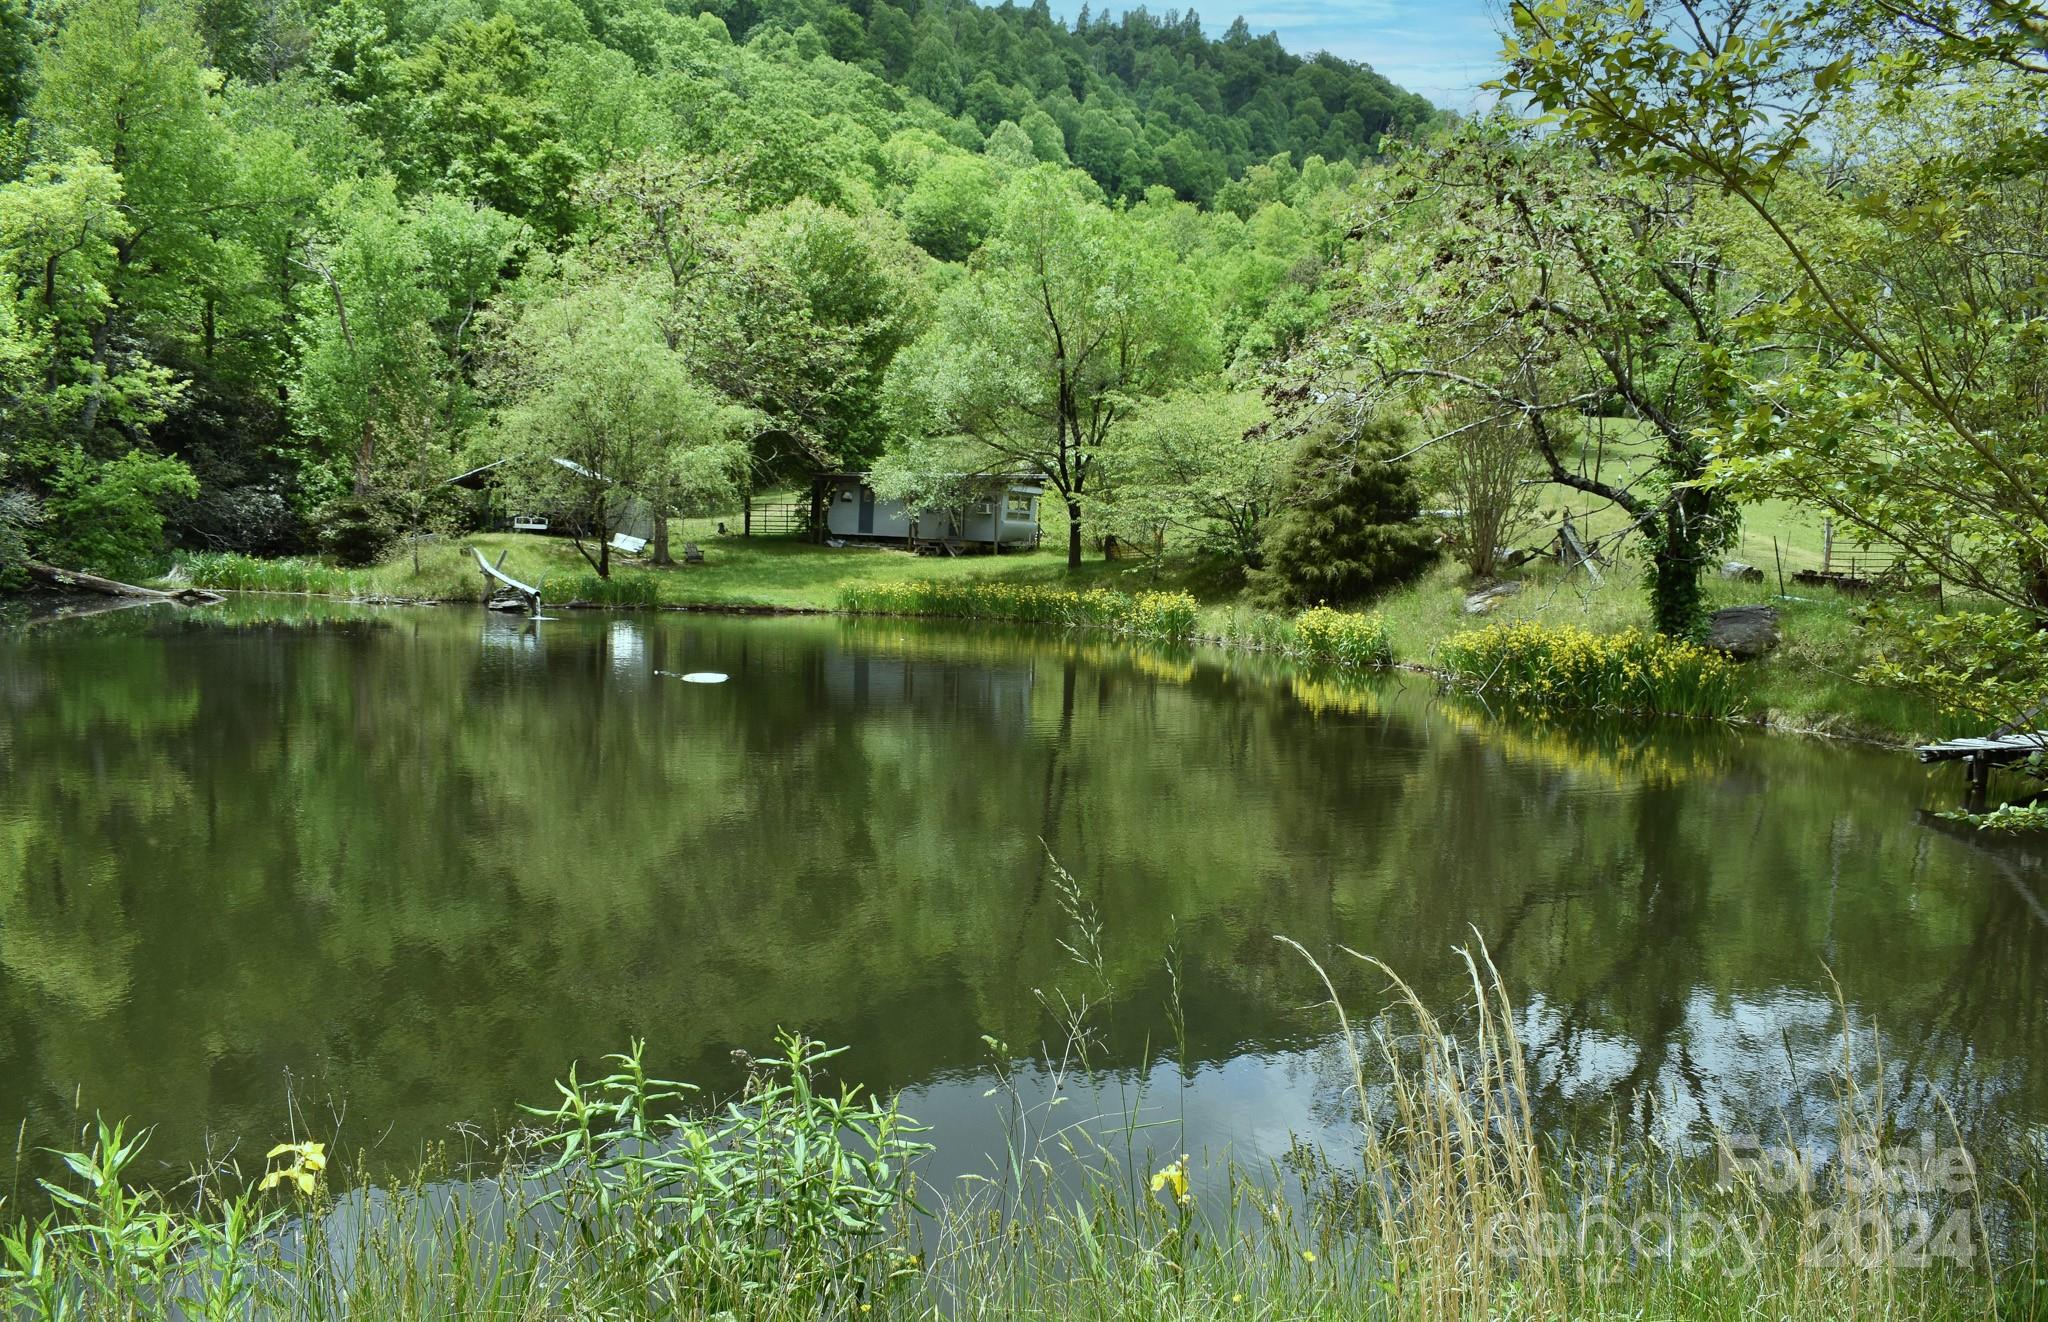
801, 1198
1808, 686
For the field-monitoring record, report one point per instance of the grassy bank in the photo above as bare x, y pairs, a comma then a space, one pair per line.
627, 1197
1808, 684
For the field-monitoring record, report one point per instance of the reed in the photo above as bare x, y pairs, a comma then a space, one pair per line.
1562, 667
242, 573
626, 588
1164, 615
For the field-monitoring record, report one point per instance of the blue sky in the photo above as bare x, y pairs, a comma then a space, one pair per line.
1441, 48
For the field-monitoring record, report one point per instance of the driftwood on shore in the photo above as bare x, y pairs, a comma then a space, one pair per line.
72, 580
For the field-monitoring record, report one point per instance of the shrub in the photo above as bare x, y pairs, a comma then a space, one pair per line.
1167, 615
1350, 528
1566, 667
356, 530
108, 517
622, 589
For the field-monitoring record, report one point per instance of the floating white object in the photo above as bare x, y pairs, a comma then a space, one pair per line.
704, 677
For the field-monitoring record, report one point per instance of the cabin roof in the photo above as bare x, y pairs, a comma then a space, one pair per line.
476, 478
1006, 479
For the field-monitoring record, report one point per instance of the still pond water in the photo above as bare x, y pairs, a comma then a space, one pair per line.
394, 870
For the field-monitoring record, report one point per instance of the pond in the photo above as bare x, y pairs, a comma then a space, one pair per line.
387, 873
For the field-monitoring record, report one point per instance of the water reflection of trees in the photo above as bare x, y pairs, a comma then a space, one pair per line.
424, 868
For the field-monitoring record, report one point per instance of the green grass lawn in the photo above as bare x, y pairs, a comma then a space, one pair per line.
782, 572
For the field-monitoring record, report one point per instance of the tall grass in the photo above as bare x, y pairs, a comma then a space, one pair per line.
1164, 615
242, 573
1568, 668
631, 588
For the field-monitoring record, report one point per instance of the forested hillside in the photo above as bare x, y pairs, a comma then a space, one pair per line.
1138, 99
273, 270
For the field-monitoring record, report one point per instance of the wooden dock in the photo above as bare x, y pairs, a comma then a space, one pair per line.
1996, 748
1981, 754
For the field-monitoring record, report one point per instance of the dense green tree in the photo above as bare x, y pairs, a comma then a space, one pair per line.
388, 312
952, 207
602, 413
478, 124
1203, 463
1347, 526
1034, 360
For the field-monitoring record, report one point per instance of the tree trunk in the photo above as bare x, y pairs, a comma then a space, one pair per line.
661, 555
1073, 534
72, 580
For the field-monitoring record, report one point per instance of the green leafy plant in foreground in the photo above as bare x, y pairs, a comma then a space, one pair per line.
788, 1192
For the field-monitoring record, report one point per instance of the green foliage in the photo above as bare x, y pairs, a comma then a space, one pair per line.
20, 515
1348, 527
356, 530
1165, 615
109, 517
627, 589
1067, 317
1906, 411
1505, 279
1205, 463
791, 1192
2007, 818
604, 413
243, 573
1565, 668
1357, 642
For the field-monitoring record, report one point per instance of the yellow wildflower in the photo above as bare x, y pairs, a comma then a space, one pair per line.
1175, 1178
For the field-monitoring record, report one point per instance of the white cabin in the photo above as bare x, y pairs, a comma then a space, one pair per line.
999, 512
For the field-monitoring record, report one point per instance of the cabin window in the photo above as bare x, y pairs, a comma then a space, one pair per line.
1020, 505
985, 507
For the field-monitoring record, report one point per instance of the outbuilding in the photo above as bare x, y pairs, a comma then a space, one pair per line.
986, 512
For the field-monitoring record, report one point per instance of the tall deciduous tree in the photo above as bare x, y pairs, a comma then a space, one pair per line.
1205, 462
388, 311
1909, 400
1064, 323
603, 413
1518, 280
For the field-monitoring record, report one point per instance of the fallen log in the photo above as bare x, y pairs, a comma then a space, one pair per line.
72, 580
